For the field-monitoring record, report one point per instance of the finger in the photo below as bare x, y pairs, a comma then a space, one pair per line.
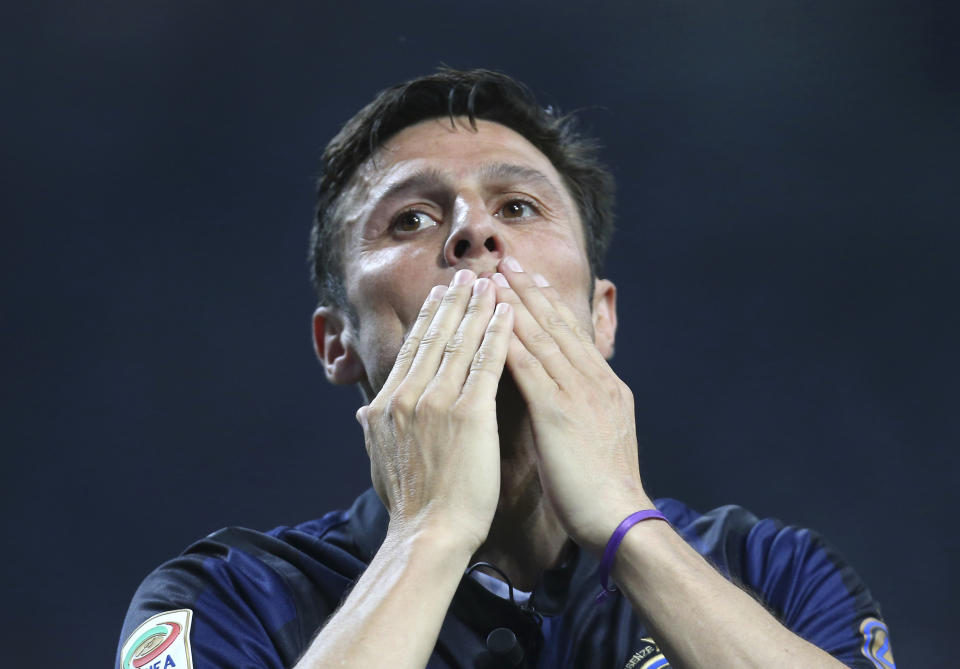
361, 417
461, 348
535, 383
411, 343
536, 340
541, 308
585, 335
566, 313
486, 366
434, 341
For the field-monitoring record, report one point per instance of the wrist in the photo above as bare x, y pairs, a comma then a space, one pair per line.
431, 535
611, 550
596, 534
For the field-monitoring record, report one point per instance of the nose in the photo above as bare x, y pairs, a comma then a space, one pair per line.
476, 235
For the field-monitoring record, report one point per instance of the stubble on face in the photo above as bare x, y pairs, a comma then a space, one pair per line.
387, 279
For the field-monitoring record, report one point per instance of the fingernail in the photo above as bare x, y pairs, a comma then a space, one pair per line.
500, 280
540, 280
502, 309
511, 263
463, 277
437, 292
480, 286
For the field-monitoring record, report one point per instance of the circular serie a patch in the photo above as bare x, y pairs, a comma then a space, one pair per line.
161, 642
152, 643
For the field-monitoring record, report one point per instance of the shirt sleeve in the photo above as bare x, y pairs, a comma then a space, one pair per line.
797, 575
815, 593
255, 600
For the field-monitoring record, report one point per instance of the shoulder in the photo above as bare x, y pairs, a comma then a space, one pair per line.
755, 550
800, 576
734, 539
260, 594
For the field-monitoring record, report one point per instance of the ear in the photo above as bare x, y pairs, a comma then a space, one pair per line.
604, 316
333, 343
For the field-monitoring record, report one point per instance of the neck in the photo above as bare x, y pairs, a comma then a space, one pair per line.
526, 536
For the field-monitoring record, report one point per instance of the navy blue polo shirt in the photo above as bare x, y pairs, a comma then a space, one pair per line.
257, 599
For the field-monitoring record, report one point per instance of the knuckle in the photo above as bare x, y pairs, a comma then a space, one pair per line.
484, 361
432, 336
399, 405
409, 349
542, 338
527, 360
453, 295
454, 345
429, 404
481, 359
617, 390
478, 371
374, 412
465, 411
555, 321
411, 343
582, 333
473, 306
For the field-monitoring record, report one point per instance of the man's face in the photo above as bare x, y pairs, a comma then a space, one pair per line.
435, 199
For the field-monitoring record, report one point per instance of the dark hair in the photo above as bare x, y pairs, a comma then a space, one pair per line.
476, 94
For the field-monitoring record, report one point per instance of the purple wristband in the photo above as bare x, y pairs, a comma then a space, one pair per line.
606, 563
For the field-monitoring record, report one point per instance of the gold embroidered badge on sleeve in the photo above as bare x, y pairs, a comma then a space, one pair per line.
876, 643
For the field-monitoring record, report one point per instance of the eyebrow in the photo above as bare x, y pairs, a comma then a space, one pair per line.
427, 178
499, 172
431, 178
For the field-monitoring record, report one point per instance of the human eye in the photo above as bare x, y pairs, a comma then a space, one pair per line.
518, 209
413, 220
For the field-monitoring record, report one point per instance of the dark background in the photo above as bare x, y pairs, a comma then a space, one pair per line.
787, 236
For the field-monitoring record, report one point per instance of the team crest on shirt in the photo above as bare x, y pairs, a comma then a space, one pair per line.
647, 657
162, 642
876, 644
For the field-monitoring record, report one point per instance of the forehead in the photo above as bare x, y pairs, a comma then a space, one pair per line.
454, 150
458, 144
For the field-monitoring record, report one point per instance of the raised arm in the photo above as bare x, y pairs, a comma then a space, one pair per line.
431, 433
584, 427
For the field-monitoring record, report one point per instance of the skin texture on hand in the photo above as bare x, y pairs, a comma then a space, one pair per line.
443, 196
583, 426
581, 413
431, 431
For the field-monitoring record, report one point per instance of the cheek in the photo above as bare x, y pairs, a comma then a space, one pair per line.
392, 282
387, 287
563, 261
